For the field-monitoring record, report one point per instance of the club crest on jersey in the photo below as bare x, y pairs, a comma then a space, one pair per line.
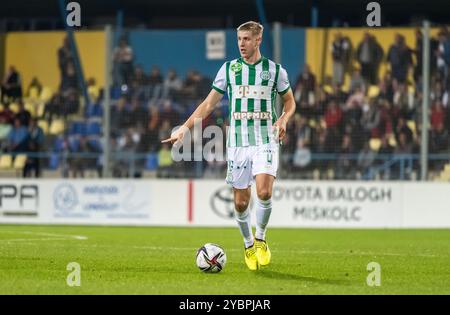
236, 67
265, 75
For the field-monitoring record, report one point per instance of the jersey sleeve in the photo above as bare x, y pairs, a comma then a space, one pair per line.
220, 82
283, 82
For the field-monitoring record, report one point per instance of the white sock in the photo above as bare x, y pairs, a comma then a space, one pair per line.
245, 226
263, 210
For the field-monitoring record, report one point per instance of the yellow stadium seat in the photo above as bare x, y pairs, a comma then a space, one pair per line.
373, 91
40, 109
392, 141
56, 127
93, 91
1, 107
328, 89
5, 161
312, 123
14, 107
375, 144
412, 125
46, 94
31, 108
34, 93
44, 125
19, 162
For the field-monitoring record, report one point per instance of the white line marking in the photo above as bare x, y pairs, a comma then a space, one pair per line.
54, 235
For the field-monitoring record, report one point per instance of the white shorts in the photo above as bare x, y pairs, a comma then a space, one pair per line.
244, 163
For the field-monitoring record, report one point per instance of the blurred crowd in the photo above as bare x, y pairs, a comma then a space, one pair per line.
353, 123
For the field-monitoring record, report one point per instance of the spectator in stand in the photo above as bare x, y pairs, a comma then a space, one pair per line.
341, 52
5, 129
23, 114
11, 86
307, 80
345, 164
437, 115
139, 85
86, 159
70, 80
155, 81
172, 85
419, 55
123, 63
65, 58
35, 145
403, 129
7, 114
369, 55
120, 115
53, 107
138, 115
357, 82
18, 138
439, 139
400, 59
403, 145
443, 55
386, 87
366, 158
333, 115
36, 86
371, 119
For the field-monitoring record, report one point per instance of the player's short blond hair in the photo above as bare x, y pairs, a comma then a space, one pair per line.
252, 26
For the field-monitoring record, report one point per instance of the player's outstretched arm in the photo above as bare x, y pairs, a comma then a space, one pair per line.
288, 112
203, 110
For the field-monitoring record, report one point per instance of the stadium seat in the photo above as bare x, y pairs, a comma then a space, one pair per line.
6, 161
77, 128
94, 129
40, 109
392, 141
74, 143
53, 162
34, 93
46, 94
375, 144
373, 91
412, 125
19, 162
151, 162
14, 107
31, 108
94, 92
57, 127
44, 125
1, 107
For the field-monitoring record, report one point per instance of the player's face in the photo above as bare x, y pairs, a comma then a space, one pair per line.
248, 43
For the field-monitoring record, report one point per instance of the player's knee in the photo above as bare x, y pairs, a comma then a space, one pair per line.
264, 194
241, 205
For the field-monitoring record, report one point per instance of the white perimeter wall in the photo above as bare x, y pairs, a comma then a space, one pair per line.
334, 204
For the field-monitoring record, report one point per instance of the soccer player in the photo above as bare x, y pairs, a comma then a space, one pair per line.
252, 83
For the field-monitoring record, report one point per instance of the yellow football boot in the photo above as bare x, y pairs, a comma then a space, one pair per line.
250, 258
262, 252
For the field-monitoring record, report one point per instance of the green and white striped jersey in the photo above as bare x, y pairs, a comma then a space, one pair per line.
252, 91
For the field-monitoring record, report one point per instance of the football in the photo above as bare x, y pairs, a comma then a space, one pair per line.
211, 258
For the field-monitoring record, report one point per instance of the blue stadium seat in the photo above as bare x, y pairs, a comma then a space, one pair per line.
53, 162
58, 144
93, 129
152, 162
74, 143
78, 128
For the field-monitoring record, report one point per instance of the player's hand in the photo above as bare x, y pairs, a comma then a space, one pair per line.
177, 136
280, 124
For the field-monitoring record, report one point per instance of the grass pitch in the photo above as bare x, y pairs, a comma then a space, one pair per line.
161, 260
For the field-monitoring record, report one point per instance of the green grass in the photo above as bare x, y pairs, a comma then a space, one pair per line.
161, 260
